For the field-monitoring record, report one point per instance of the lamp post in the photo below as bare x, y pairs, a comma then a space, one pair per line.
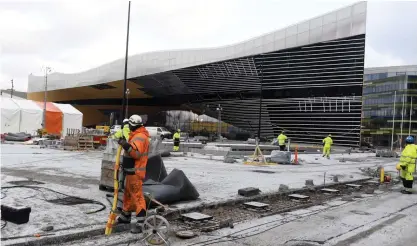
219, 118
47, 69
127, 102
11, 93
125, 73
260, 98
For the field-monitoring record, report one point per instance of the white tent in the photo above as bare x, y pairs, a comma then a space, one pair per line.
73, 119
10, 116
30, 116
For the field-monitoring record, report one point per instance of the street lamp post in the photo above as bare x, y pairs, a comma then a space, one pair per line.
126, 60
127, 102
219, 131
47, 69
11, 93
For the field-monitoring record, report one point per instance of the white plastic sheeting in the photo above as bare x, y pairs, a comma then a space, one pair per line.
30, 116
73, 119
10, 116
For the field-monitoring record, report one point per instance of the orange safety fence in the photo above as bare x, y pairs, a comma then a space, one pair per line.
53, 118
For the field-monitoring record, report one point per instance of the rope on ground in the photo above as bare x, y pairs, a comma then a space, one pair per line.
38, 188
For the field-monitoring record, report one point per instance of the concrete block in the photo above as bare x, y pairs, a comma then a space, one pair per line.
249, 191
229, 160
196, 216
309, 182
298, 196
17, 215
326, 190
283, 188
256, 205
356, 186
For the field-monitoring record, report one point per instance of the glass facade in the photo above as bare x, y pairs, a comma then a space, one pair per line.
380, 93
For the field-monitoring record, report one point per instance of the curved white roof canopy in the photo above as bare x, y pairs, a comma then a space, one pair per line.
345, 22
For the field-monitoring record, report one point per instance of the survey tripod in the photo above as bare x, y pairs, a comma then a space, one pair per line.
155, 229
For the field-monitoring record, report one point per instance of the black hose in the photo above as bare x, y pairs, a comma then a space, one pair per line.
37, 188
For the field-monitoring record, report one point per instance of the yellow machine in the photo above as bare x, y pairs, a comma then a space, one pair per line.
113, 215
106, 129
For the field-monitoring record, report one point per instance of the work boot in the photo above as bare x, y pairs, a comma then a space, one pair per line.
406, 192
140, 219
124, 218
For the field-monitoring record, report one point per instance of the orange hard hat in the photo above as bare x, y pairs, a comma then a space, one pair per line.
398, 167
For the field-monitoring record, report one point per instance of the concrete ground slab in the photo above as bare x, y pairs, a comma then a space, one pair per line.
78, 173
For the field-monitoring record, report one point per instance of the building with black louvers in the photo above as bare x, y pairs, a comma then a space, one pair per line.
305, 79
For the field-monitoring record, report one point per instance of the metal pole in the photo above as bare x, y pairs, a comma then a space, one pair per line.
219, 119
127, 103
260, 99
44, 100
125, 75
402, 121
11, 94
393, 120
411, 112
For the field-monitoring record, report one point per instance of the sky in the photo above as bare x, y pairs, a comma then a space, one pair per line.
74, 36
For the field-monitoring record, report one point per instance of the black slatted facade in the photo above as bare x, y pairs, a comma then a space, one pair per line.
308, 91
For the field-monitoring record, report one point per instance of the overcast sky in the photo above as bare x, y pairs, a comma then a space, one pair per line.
72, 36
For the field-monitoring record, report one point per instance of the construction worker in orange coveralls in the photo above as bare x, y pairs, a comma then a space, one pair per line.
134, 166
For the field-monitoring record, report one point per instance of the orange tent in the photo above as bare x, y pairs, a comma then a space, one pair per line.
53, 118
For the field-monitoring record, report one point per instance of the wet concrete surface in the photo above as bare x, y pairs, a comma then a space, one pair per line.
37, 174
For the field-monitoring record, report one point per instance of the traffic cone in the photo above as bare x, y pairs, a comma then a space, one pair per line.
296, 155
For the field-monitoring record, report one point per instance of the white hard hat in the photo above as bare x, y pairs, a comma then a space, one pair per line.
135, 120
125, 120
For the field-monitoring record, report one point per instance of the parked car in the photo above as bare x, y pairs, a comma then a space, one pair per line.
157, 131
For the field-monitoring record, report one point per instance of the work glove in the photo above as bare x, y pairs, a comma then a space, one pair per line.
125, 145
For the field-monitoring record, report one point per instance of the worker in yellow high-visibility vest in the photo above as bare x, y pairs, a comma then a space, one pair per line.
327, 142
281, 141
407, 165
176, 139
124, 132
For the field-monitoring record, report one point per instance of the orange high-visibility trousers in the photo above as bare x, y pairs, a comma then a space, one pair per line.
133, 199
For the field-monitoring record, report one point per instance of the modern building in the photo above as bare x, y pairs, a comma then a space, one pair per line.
386, 88
305, 79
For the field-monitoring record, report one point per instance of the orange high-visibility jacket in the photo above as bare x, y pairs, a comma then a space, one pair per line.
139, 148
